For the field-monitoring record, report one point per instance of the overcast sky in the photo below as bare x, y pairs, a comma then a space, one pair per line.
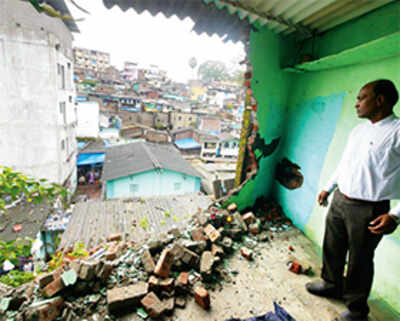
166, 42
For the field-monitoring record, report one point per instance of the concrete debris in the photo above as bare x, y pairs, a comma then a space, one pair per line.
120, 275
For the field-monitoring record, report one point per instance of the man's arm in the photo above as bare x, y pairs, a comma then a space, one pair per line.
386, 223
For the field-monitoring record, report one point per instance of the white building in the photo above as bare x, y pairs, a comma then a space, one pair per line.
222, 147
88, 119
37, 114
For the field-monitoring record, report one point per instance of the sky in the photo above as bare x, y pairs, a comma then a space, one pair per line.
166, 42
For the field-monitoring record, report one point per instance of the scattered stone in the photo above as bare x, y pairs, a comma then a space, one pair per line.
196, 246
87, 270
111, 253
167, 284
104, 270
189, 258
54, 287
202, 297
263, 237
212, 233
227, 243
129, 296
168, 305
152, 305
148, 262
175, 232
206, 263
164, 263
45, 279
246, 253
153, 282
249, 218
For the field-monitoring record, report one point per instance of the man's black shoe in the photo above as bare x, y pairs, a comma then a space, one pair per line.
348, 316
325, 289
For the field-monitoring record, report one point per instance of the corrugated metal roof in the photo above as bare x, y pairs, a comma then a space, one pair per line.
232, 18
129, 159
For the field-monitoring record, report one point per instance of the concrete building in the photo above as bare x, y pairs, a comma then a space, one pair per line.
183, 120
91, 59
37, 116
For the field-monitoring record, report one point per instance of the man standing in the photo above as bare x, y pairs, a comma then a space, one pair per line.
367, 178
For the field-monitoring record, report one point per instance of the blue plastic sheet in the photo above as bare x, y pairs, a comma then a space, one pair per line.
279, 315
90, 159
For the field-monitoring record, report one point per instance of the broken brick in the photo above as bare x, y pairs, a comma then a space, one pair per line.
206, 263
202, 297
47, 310
239, 220
246, 253
164, 263
167, 284
216, 250
254, 228
104, 270
232, 207
111, 253
180, 302
153, 282
148, 262
212, 233
152, 305
45, 279
120, 298
168, 305
114, 237
87, 270
54, 287
183, 279
249, 218
197, 234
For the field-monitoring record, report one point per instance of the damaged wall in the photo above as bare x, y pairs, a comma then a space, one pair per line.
313, 113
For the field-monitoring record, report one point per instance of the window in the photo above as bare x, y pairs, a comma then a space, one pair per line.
180, 118
133, 188
63, 112
67, 145
61, 76
226, 145
177, 186
62, 144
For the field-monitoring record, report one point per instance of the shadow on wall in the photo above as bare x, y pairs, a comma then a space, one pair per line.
288, 174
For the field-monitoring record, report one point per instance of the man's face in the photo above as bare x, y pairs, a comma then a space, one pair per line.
367, 105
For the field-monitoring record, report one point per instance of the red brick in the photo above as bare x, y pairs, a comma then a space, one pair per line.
45, 279
164, 263
183, 279
246, 253
167, 284
148, 262
47, 310
212, 233
114, 237
197, 234
54, 287
202, 297
152, 305
111, 253
125, 297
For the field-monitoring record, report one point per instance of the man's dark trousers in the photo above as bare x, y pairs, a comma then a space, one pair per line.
347, 231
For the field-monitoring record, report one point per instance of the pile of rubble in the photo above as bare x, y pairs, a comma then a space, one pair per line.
151, 279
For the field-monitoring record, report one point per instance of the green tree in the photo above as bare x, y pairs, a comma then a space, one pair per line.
14, 185
213, 70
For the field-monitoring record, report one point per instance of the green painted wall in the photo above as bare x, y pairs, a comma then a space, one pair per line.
313, 113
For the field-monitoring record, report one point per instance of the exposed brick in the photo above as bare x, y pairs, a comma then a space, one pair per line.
217, 250
246, 253
129, 296
114, 237
104, 270
148, 262
232, 207
87, 270
249, 218
202, 297
206, 263
152, 305
47, 310
111, 253
164, 263
212, 233
45, 279
183, 279
54, 287
198, 234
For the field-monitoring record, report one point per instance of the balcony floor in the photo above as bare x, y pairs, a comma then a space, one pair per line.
267, 279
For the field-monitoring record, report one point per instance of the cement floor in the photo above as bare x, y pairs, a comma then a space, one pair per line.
267, 279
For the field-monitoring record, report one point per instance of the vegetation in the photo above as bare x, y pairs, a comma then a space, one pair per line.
15, 278
11, 250
78, 251
213, 70
15, 185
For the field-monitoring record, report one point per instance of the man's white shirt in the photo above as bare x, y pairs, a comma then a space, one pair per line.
370, 165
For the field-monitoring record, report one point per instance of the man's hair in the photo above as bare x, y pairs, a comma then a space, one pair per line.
387, 89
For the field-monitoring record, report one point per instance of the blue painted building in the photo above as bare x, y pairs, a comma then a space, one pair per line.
143, 169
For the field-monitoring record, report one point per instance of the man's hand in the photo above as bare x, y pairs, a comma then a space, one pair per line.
383, 224
323, 198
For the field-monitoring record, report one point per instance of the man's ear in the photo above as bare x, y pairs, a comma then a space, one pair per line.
380, 100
